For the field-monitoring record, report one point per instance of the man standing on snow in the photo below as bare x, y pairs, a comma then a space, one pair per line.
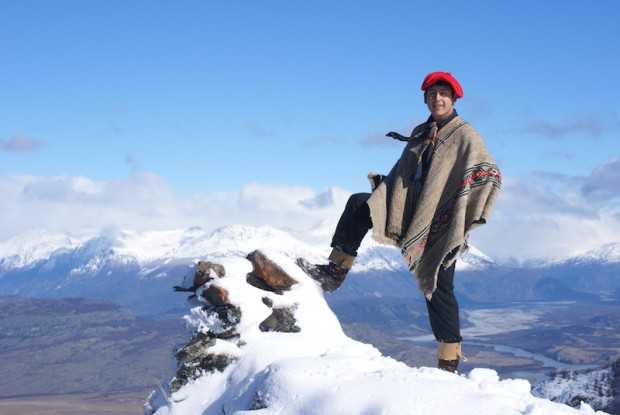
443, 185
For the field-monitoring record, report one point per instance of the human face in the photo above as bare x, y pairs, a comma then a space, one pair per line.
440, 101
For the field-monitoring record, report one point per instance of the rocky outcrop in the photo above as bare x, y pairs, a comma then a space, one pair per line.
203, 354
194, 359
197, 356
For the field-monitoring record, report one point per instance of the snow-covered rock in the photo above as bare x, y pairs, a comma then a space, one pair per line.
319, 370
594, 386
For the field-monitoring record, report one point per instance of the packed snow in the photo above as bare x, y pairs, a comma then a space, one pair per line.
321, 371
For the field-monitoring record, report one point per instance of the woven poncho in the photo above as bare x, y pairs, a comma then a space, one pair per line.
430, 220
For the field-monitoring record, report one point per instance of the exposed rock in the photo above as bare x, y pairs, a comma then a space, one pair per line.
195, 358
195, 368
216, 295
281, 320
195, 348
203, 272
267, 301
254, 281
228, 314
270, 272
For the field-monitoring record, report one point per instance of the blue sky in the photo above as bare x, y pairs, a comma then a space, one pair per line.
211, 96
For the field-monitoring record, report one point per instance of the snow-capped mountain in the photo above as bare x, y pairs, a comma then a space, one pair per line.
152, 246
137, 269
33, 246
608, 253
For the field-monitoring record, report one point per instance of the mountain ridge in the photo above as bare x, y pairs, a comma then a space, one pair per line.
28, 248
138, 268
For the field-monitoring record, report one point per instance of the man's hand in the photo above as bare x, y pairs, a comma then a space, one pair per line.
375, 180
396, 136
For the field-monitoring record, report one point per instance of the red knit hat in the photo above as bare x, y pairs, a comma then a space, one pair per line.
438, 76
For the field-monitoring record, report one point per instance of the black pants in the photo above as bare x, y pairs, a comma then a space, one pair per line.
353, 224
443, 309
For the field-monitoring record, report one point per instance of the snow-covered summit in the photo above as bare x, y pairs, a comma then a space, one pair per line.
374, 256
317, 369
240, 240
474, 259
608, 253
145, 247
32, 246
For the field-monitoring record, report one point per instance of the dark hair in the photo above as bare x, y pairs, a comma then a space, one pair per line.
440, 83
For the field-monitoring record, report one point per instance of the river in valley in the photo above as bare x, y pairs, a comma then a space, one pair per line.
483, 323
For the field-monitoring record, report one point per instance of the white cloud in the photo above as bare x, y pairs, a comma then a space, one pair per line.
604, 182
540, 215
550, 215
145, 201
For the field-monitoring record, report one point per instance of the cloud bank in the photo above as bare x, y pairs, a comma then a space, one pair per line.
538, 215
554, 215
588, 126
144, 201
20, 144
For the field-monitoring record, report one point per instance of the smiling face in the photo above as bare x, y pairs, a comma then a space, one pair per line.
439, 99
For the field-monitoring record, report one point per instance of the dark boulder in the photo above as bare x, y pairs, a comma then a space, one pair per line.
281, 320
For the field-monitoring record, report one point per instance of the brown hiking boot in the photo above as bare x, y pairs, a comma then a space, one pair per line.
448, 356
329, 275
448, 365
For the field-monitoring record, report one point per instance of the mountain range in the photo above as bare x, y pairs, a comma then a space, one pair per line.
138, 269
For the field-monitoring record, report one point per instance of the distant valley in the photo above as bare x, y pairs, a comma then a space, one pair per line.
82, 347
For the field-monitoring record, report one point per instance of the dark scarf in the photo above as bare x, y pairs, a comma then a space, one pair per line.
441, 123
426, 155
